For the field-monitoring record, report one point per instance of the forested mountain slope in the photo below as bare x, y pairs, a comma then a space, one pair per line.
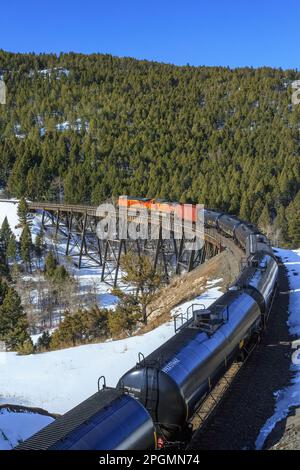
92, 126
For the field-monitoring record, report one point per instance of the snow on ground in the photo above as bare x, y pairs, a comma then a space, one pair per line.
8, 208
16, 426
76, 126
88, 277
59, 380
36, 337
58, 71
205, 299
290, 396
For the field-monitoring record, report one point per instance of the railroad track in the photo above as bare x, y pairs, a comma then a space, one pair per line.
189, 364
242, 402
211, 404
208, 409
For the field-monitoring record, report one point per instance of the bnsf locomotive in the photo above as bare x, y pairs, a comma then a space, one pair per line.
154, 401
187, 212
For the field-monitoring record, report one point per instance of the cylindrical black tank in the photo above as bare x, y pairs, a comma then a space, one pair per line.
211, 218
108, 420
259, 279
228, 224
242, 233
173, 380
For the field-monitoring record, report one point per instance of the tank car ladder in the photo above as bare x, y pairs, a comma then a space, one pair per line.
149, 394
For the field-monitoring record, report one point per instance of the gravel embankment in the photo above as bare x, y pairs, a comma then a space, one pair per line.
250, 400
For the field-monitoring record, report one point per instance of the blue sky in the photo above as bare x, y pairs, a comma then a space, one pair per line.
211, 32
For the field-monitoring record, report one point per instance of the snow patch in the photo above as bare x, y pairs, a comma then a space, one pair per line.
16, 426
8, 208
58, 71
59, 380
76, 126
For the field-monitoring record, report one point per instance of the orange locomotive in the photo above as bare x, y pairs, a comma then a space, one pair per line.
186, 212
137, 202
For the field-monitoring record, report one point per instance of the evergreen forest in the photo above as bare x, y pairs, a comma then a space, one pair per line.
84, 128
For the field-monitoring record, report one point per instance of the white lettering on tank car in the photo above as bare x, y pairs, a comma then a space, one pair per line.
170, 365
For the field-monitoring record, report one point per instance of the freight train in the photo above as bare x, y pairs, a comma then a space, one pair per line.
154, 402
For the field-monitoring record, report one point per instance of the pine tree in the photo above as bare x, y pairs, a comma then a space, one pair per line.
39, 244
3, 290
50, 265
117, 322
293, 218
256, 211
60, 275
183, 133
11, 251
13, 322
5, 231
5, 234
4, 271
69, 331
26, 246
44, 341
264, 220
15, 270
27, 347
281, 225
139, 272
245, 210
293, 232
22, 212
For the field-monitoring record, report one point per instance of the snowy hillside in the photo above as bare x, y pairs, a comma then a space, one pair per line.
8, 208
58, 380
88, 278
